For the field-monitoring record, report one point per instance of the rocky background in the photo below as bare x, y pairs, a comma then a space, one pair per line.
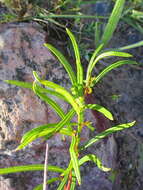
21, 52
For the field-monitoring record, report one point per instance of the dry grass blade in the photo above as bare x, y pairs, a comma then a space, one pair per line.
45, 168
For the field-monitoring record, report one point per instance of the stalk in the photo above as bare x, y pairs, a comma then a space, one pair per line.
80, 122
76, 150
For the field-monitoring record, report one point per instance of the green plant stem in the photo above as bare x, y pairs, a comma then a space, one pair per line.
78, 132
80, 125
50, 16
80, 121
71, 16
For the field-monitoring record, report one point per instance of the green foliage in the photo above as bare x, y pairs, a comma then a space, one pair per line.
96, 160
41, 131
113, 21
77, 56
76, 99
101, 109
107, 132
102, 56
129, 11
133, 14
64, 62
43, 12
109, 68
81, 87
74, 157
40, 187
33, 167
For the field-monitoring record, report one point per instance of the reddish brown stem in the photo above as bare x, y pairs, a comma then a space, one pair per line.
67, 187
102, 123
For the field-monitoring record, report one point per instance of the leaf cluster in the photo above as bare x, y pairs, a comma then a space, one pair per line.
81, 86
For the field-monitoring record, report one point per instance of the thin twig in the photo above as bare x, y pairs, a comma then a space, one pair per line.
45, 167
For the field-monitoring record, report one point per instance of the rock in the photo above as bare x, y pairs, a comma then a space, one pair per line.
22, 47
21, 52
126, 83
102, 8
93, 177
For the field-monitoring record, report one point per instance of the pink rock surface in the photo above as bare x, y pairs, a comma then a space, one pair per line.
21, 51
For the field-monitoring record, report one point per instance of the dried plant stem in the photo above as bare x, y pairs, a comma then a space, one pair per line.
45, 167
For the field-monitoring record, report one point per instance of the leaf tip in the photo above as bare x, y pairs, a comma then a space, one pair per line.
37, 78
111, 117
132, 123
34, 73
18, 148
67, 30
79, 182
46, 45
7, 81
106, 169
129, 55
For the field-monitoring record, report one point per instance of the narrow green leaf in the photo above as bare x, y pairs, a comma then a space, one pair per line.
86, 158
109, 68
53, 104
51, 92
137, 44
95, 159
36, 133
74, 159
101, 109
40, 187
87, 2
111, 53
62, 123
137, 14
90, 127
41, 131
66, 131
67, 16
65, 120
33, 167
60, 90
77, 55
135, 25
49, 101
113, 21
19, 83
104, 55
64, 62
73, 184
30, 86
89, 68
62, 184
107, 132
68, 169
97, 34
